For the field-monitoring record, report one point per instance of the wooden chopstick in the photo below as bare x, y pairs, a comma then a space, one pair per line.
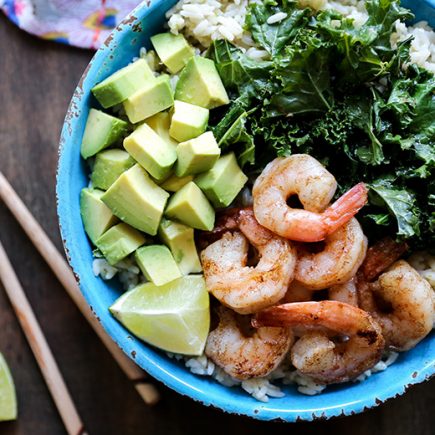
40, 348
64, 274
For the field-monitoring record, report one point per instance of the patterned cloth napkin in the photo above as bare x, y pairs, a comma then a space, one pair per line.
84, 23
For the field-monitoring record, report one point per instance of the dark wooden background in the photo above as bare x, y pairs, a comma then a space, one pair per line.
37, 79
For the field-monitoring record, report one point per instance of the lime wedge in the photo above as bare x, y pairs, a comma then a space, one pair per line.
174, 317
8, 398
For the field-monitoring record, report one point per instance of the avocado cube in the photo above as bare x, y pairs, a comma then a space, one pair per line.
174, 183
160, 123
173, 50
181, 242
122, 84
197, 155
188, 121
101, 131
190, 206
150, 151
157, 264
200, 84
97, 217
137, 200
108, 166
223, 181
155, 96
119, 241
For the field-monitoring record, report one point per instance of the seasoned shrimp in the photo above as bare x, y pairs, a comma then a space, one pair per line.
243, 288
245, 354
315, 354
346, 293
304, 176
381, 256
402, 302
337, 263
296, 292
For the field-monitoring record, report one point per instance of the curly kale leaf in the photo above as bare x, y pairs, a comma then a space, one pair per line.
231, 132
247, 77
305, 79
401, 205
342, 94
275, 37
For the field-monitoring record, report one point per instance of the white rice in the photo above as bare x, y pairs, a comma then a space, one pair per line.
424, 263
262, 388
276, 18
354, 9
102, 268
388, 359
203, 21
127, 271
422, 50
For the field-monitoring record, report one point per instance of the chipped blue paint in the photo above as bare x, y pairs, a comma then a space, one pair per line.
411, 368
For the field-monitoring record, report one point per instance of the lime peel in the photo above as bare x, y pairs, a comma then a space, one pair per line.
8, 398
174, 317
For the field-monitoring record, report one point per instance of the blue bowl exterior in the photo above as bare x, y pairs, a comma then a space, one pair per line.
412, 367
424, 10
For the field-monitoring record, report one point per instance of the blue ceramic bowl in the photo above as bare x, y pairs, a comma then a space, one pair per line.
424, 10
411, 368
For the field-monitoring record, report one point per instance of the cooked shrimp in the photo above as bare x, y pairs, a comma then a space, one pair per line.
402, 302
304, 176
243, 288
337, 263
381, 256
246, 354
318, 356
346, 293
226, 219
296, 292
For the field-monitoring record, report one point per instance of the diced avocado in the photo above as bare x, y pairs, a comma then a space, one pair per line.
200, 84
174, 183
223, 181
197, 155
152, 60
97, 217
160, 123
137, 200
190, 206
181, 242
122, 84
155, 96
157, 264
101, 131
108, 166
188, 121
150, 151
173, 50
118, 242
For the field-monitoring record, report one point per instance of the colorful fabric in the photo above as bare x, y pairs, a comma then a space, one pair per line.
83, 23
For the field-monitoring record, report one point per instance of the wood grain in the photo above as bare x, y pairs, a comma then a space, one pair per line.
64, 274
40, 348
37, 80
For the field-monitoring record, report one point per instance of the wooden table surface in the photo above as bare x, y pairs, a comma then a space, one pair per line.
37, 79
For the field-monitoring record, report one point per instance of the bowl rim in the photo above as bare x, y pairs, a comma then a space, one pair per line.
262, 411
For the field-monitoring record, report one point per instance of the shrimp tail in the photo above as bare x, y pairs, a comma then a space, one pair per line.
280, 316
332, 315
346, 207
316, 354
381, 256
